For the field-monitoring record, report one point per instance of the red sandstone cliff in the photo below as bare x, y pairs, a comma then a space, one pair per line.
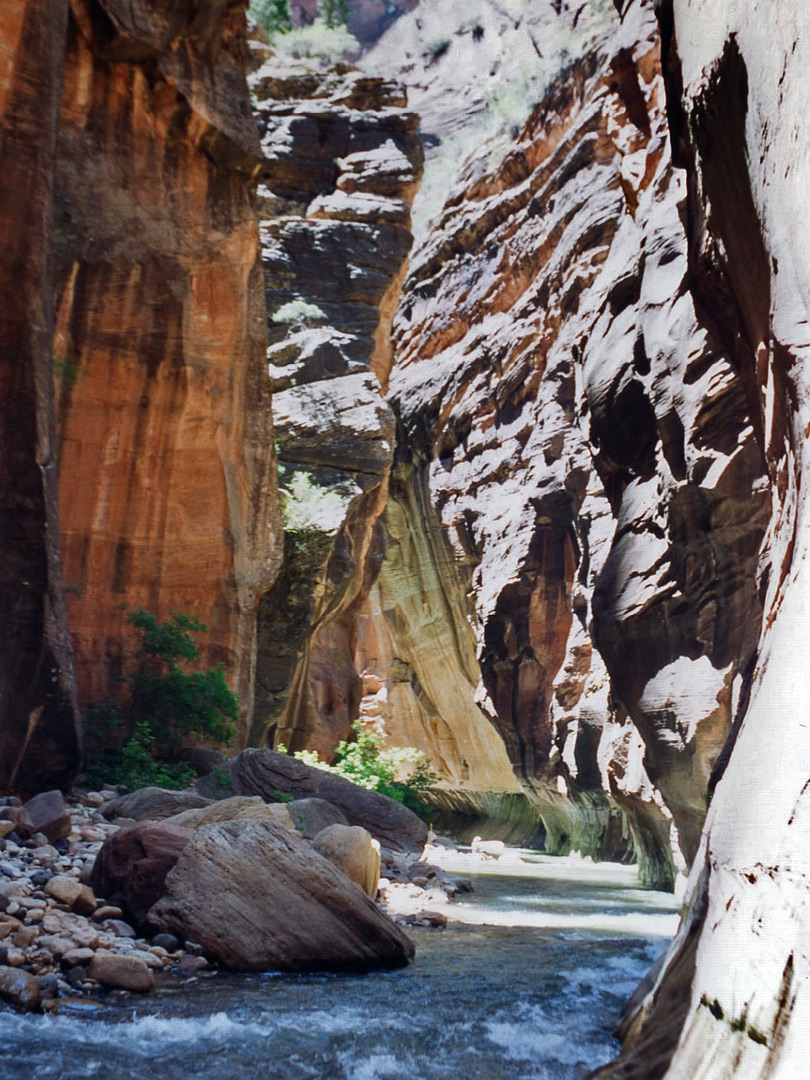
167, 469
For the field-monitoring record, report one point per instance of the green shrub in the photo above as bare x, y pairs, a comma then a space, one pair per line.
134, 745
365, 762
273, 15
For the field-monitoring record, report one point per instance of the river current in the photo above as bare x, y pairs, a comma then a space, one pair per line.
526, 983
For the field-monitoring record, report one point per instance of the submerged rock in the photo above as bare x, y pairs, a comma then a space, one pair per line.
256, 897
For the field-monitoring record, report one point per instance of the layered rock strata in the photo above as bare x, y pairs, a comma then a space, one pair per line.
165, 435
39, 740
578, 443
342, 160
732, 998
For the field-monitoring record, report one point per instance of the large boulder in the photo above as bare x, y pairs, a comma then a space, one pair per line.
131, 867
267, 773
312, 816
239, 808
354, 851
152, 804
257, 897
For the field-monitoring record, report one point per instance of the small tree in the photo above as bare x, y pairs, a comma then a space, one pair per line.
166, 705
176, 703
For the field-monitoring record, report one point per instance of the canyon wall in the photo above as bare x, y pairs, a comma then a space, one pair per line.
732, 999
578, 467
557, 588
167, 470
342, 161
39, 738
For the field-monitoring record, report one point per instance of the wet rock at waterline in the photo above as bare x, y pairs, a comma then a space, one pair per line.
256, 897
19, 988
122, 972
267, 773
354, 852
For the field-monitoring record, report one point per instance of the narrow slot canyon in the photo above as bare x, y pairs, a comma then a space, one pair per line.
403, 517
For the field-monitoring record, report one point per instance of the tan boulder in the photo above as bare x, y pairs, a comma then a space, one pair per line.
354, 852
124, 972
257, 897
238, 808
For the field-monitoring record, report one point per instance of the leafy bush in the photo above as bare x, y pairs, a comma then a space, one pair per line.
273, 15
365, 762
134, 745
299, 312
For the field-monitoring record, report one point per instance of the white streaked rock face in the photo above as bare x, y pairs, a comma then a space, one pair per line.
741, 986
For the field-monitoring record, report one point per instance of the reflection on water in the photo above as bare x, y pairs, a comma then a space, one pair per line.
527, 987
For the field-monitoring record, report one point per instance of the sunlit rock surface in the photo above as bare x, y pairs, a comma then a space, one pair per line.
342, 160
577, 443
166, 461
733, 1000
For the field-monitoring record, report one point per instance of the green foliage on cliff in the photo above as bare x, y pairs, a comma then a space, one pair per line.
273, 15
165, 704
364, 761
334, 12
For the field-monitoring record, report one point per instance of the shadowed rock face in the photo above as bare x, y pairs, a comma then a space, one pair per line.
588, 467
266, 773
165, 437
342, 160
37, 693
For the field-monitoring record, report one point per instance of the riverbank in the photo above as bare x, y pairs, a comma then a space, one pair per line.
504, 992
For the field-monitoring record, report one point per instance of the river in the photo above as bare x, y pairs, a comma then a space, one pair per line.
526, 983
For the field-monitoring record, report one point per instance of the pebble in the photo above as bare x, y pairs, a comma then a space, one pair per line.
167, 943
45, 854
107, 912
78, 956
118, 927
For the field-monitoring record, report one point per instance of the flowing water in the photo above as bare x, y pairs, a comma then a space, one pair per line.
526, 983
